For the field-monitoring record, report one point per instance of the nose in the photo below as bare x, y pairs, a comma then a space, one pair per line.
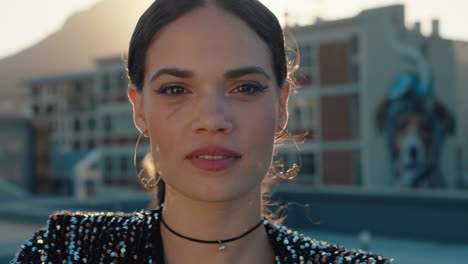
413, 153
211, 114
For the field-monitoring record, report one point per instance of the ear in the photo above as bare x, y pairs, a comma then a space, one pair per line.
381, 114
139, 118
445, 119
283, 107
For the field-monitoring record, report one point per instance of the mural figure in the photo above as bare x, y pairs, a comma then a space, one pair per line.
414, 124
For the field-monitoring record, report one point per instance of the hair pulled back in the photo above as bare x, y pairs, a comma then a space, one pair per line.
162, 12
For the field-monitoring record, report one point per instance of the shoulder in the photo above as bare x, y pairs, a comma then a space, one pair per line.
92, 236
294, 247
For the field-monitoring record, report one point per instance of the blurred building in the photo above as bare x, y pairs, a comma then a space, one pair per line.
92, 131
384, 103
117, 133
24, 156
67, 104
16, 143
460, 82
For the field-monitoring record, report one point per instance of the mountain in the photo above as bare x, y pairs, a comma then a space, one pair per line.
103, 30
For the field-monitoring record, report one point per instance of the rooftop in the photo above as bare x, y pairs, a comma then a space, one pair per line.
79, 76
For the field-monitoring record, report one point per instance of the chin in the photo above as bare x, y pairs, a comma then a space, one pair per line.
218, 188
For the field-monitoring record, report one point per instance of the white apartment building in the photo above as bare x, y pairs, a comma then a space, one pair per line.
117, 133
68, 103
92, 127
348, 67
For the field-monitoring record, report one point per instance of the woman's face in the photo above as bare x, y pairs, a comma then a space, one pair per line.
210, 105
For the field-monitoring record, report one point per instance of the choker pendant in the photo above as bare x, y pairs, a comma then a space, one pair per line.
221, 243
221, 246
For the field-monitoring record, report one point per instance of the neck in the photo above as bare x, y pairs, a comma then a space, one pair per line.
205, 220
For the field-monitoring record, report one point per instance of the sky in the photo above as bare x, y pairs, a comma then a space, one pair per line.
25, 22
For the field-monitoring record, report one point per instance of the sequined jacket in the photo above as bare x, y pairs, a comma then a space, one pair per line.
121, 238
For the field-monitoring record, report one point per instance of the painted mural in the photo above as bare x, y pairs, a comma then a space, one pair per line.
414, 123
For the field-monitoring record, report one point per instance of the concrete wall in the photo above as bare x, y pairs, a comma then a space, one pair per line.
441, 217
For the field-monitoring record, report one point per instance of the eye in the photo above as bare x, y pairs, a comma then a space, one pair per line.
426, 125
172, 90
250, 88
401, 125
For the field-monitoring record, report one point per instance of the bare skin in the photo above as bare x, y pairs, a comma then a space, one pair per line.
215, 221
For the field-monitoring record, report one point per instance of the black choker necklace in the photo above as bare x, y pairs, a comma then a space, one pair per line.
220, 242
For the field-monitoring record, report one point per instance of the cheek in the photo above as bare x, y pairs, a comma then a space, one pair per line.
257, 127
165, 126
259, 118
262, 124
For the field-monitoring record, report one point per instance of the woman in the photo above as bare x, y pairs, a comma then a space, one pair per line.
208, 85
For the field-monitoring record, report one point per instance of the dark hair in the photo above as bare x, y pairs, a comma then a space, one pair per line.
252, 12
163, 12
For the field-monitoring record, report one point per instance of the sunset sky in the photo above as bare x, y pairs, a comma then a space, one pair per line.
25, 22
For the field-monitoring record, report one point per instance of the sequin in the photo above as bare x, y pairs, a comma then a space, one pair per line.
128, 238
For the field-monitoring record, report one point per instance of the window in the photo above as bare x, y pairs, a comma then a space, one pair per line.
354, 44
78, 88
35, 90
124, 164
76, 145
308, 65
50, 109
77, 125
355, 72
306, 55
105, 83
91, 144
91, 124
107, 123
36, 109
52, 89
308, 163
107, 165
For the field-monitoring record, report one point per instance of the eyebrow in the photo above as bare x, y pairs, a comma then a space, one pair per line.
172, 71
232, 74
236, 73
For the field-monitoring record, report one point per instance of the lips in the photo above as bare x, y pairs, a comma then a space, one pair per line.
213, 158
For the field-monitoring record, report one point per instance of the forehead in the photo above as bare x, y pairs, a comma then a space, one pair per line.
207, 39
